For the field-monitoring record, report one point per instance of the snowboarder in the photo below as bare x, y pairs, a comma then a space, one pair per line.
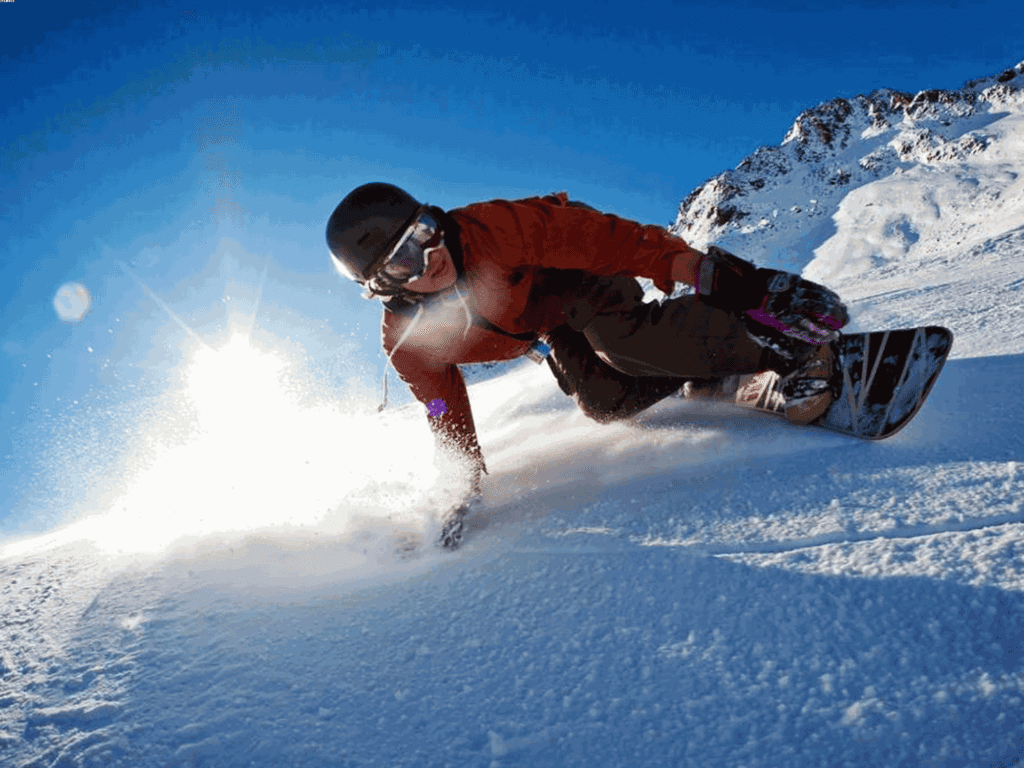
551, 277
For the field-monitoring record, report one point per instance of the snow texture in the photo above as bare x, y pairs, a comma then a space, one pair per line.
697, 586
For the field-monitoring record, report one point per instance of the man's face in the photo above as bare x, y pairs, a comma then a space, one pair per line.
440, 272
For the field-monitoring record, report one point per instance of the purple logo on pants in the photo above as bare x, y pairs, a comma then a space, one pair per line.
436, 407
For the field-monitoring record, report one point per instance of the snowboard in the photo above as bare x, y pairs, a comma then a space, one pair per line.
886, 376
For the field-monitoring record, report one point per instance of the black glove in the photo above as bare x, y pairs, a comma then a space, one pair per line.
777, 303
451, 527
469, 470
452, 521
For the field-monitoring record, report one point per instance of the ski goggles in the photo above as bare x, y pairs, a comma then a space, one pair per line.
408, 259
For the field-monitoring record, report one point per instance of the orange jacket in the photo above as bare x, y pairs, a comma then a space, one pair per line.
518, 256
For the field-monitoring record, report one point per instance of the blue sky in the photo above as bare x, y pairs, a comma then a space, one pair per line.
194, 155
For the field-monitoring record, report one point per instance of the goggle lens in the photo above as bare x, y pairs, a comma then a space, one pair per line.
409, 260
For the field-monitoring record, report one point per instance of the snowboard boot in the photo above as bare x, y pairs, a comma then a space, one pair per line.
810, 389
696, 390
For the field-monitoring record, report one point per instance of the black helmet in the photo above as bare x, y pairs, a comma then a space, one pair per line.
367, 225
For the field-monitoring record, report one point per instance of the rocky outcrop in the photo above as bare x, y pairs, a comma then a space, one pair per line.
836, 146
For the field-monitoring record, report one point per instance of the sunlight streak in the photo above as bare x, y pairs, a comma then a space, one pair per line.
160, 302
259, 294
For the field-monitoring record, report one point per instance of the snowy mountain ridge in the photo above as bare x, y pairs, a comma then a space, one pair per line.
776, 205
912, 207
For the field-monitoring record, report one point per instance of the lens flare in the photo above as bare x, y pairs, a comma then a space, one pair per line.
72, 302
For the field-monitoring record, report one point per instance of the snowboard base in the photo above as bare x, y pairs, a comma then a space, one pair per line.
886, 377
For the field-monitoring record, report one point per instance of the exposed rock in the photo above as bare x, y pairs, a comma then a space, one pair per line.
837, 146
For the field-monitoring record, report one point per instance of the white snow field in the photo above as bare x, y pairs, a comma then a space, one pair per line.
695, 587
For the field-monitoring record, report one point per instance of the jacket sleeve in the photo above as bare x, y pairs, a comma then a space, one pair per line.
552, 232
429, 380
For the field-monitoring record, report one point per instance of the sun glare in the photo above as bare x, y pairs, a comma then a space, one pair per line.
260, 460
237, 388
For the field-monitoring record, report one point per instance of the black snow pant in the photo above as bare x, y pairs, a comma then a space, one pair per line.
618, 356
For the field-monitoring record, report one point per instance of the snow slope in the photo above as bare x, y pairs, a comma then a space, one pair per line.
697, 586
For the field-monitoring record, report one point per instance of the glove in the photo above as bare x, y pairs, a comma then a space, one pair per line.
468, 470
777, 303
800, 309
451, 527
453, 520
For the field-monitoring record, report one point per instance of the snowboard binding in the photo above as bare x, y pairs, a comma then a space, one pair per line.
879, 381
